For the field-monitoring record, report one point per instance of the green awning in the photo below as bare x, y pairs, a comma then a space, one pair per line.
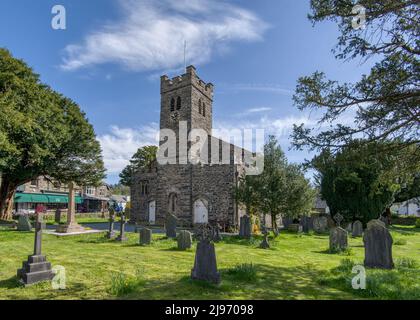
43, 198
30, 198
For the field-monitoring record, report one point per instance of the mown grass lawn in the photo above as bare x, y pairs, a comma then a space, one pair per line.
296, 267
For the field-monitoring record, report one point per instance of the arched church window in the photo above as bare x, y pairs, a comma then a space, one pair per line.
204, 109
178, 103
172, 104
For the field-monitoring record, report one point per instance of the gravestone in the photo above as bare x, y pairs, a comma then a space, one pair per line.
338, 239
357, 230
36, 268
320, 224
111, 233
294, 227
23, 223
349, 227
184, 240
145, 236
170, 225
205, 265
264, 243
286, 221
245, 227
378, 246
121, 237
307, 224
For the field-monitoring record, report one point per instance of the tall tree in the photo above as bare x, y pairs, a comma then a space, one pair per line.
41, 133
280, 190
350, 181
143, 158
385, 103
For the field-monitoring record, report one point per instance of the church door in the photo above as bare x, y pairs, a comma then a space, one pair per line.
200, 212
152, 212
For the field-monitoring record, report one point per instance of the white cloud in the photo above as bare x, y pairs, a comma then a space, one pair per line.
151, 34
258, 110
120, 144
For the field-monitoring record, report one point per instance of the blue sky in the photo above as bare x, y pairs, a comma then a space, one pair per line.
112, 53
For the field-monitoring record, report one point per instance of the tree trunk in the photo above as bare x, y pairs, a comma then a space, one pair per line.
388, 215
7, 193
274, 221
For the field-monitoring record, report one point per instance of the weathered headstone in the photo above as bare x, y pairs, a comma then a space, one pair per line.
378, 246
184, 240
111, 233
121, 237
286, 221
338, 239
357, 230
294, 227
145, 236
23, 223
205, 265
245, 228
320, 224
170, 225
36, 268
307, 224
264, 243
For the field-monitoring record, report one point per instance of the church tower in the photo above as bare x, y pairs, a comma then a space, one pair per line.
186, 98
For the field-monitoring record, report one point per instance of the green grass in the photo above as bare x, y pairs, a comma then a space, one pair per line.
295, 267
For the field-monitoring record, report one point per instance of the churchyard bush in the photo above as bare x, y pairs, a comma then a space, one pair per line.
243, 272
418, 223
121, 284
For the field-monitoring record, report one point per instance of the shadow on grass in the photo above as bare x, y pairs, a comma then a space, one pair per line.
409, 231
270, 283
10, 283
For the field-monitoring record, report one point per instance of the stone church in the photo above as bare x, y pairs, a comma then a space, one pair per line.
195, 193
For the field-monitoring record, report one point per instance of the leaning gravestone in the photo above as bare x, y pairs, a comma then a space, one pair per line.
24, 224
36, 268
307, 224
184, 240
338, 239
378, 246
205, 265
145, 236
320, 224
245, 227
357, 230
170, 226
